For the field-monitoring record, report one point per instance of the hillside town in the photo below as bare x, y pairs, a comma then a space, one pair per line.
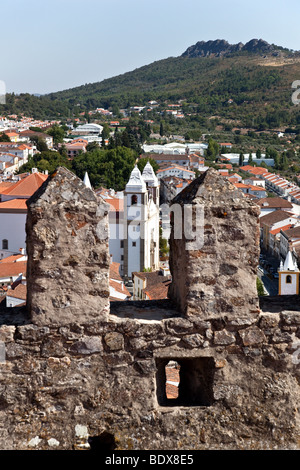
149, 230
139, 266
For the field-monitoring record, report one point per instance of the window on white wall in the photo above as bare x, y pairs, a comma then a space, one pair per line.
288, 279
4, 244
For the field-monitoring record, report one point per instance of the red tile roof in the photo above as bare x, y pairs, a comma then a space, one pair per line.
20, 292
11, 259
114, 271
12, 269
120, 288
158, 291
274, 202
277, 230
13, 204
254, 170
27, 186
274, 217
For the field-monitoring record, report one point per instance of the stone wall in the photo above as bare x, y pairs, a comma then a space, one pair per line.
67, 387
84, 381
214, 273
68, 255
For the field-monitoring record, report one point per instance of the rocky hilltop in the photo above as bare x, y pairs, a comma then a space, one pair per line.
220, 47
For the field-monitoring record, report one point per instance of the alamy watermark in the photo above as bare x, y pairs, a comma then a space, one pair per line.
296, 93
2, 352
2, 92
187, 221
296, 353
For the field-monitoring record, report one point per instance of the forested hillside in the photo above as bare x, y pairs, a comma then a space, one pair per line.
253, 86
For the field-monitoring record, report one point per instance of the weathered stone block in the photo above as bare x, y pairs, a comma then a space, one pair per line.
252, 336
214, 273
87, 345
7, 333
291, 318
193, 341
114, 341
68, 256
224, 337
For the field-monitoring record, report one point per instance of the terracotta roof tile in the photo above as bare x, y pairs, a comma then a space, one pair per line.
277, 230
13, 204
26, 187
158, 291
275, 216
273, 202
20, 292
12, 269
114, 271
11, 259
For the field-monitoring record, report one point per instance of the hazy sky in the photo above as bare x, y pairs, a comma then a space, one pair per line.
54, 45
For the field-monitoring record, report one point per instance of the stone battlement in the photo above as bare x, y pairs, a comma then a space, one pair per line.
75, 379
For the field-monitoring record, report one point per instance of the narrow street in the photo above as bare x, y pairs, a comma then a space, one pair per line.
266, 272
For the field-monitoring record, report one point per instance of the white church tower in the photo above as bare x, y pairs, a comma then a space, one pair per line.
141, 213
288, 276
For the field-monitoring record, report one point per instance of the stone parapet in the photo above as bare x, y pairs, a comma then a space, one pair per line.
68, 255
238, 384
78, 372
214, 249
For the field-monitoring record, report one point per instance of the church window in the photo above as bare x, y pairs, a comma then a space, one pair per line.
134, 199
288, 279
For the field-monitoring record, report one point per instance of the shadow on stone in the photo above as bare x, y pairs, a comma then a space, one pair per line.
103, 442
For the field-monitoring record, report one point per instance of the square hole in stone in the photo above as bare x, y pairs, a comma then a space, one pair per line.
185, 381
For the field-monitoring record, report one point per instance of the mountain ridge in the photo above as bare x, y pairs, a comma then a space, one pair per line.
221, 47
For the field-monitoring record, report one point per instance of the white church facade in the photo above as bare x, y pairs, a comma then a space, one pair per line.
134, 223
288, 276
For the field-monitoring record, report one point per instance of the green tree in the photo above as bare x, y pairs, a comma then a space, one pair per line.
163, 244
41, 145
58, 133
161, 129
143, 161
260, 287
4, 137
105, 133
284, 162
46, 160
241, 159
212, 149
110, 168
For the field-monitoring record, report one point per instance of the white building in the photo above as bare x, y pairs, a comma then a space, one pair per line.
88, 129
12, 226
13, 269
23, 151
141, 206
13, 211
134, 222
175, 148
178, 171
16, 297
288, 276
234, 158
